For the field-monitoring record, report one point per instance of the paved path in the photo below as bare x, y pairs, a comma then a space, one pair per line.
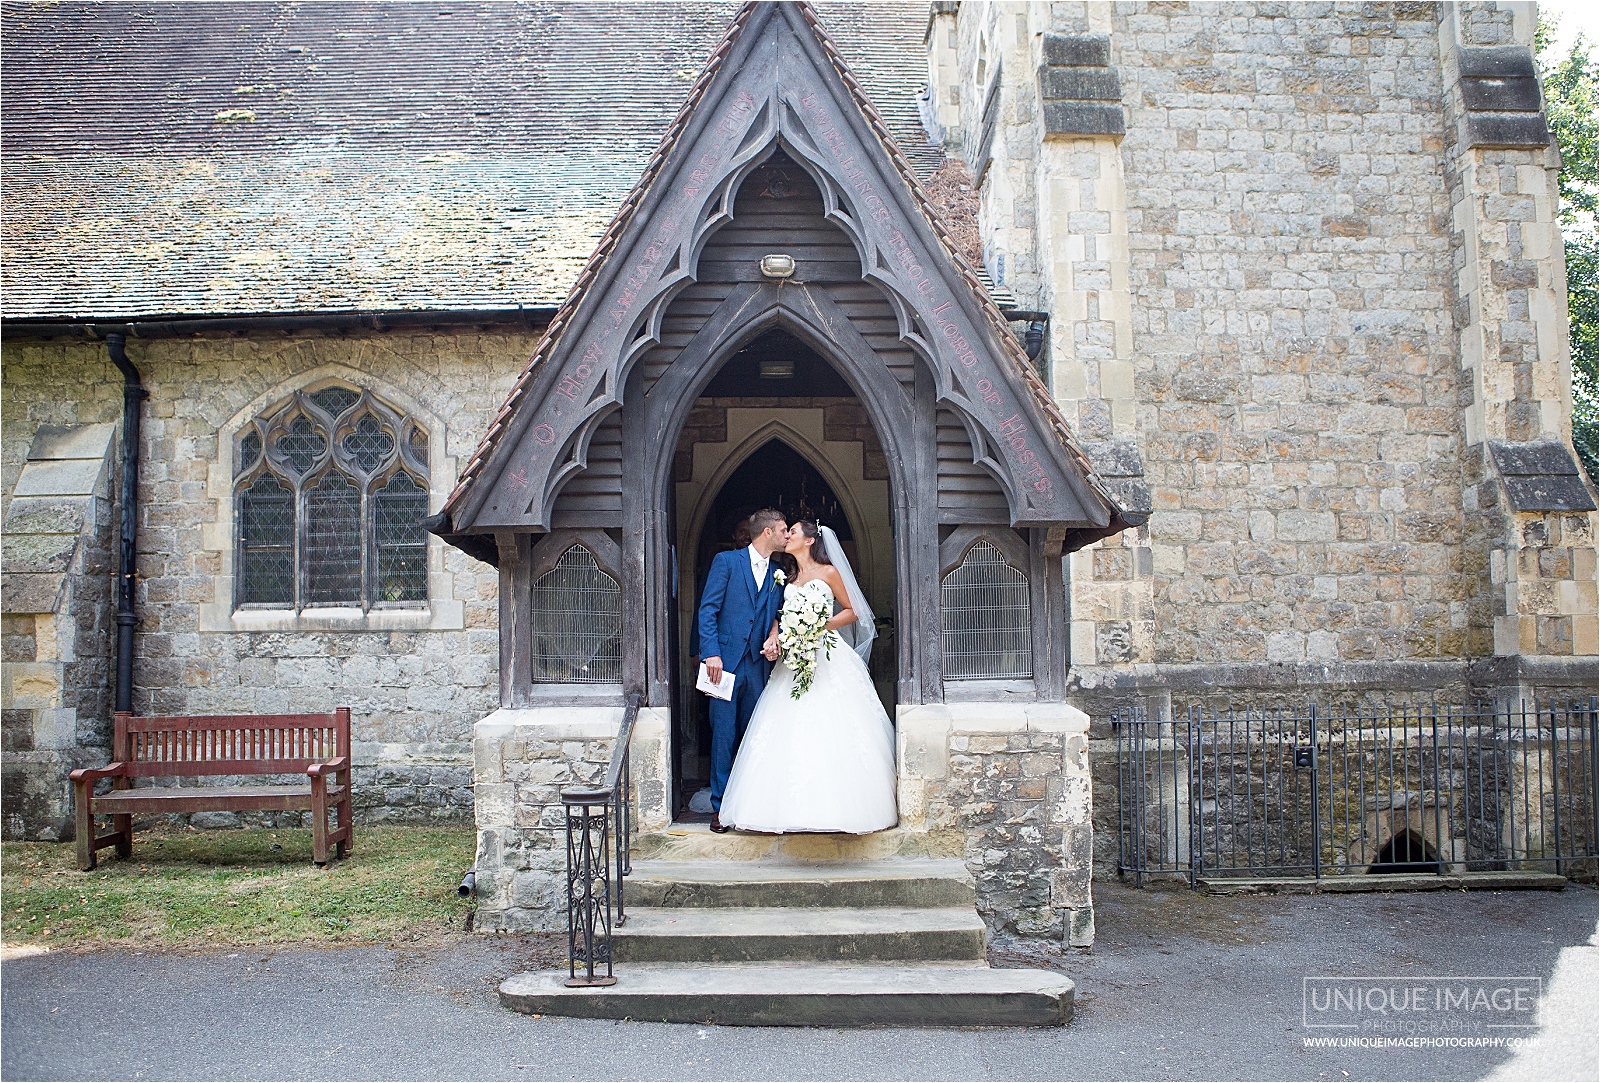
1179, 986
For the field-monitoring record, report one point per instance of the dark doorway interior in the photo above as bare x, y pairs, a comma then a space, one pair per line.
1407, 852
775, 475
776, 365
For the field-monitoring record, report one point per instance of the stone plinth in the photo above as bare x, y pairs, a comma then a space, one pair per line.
1003, 785
522, 759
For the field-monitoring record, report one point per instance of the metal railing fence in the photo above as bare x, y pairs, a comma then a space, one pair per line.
599, 828
1309, 792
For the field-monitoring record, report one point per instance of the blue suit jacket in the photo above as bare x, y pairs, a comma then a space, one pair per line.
735, 613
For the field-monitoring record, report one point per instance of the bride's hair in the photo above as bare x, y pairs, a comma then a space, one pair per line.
790, 566
819, 548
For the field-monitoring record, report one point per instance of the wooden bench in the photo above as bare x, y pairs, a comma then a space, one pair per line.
317, 745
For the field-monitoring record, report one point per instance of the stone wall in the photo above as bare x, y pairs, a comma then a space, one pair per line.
523, 759
1013, 782
1305, 304
1529, 555
1291, 284
1291, 293
416, 681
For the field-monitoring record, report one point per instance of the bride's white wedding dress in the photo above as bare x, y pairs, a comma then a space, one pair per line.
823, 762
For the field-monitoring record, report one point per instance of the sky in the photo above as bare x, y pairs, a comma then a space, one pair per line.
1582, 15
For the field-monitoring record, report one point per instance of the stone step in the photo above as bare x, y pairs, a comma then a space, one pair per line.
761, 933
697, 842
809, 996
895, 881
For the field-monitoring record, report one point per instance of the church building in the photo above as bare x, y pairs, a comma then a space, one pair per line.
1138, 353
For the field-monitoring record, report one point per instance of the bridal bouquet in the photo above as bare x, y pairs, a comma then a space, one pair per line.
802, 628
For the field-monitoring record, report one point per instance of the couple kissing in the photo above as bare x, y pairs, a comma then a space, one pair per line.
804, 743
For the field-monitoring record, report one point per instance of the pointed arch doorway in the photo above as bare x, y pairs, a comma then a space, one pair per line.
777, 426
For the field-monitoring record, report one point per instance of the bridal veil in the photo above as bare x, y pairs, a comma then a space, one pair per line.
865, 629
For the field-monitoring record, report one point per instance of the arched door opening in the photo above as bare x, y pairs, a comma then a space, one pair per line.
1406, 852
775, 475
778, 427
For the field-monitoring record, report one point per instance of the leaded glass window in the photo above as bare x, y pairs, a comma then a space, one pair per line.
987, 630
266, 543
577, 622
402, 544
332, 487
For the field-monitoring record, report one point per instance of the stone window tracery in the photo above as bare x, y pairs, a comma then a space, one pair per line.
331, 487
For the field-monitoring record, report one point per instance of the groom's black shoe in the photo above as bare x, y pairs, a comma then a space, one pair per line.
717, 825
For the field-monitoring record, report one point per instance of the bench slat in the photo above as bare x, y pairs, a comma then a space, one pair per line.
203, 768
141, 724
209, 799
239, 749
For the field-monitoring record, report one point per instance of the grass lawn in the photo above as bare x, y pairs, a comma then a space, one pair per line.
200, 889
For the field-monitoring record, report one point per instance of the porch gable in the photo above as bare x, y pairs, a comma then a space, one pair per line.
776, 84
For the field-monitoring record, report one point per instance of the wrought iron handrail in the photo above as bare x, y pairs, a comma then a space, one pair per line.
594, 898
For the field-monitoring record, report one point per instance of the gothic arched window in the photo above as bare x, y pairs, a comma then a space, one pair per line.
577, 622
332, 486
988, 633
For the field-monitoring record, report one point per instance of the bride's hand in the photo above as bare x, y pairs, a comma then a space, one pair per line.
769, 649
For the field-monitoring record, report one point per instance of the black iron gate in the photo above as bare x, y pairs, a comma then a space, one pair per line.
1310, 793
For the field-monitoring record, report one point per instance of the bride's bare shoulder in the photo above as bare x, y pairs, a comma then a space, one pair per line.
835, 581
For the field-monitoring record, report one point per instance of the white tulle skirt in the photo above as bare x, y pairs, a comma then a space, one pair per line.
823, 762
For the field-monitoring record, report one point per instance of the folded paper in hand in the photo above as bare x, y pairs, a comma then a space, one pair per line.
722, 689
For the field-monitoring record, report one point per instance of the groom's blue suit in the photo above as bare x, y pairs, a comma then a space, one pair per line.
736, 613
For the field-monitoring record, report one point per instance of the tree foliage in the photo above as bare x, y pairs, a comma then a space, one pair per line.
1570, 93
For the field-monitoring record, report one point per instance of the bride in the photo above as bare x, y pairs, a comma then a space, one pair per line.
824, 761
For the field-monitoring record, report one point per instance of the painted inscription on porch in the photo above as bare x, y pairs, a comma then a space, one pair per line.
1006, 417
574, 388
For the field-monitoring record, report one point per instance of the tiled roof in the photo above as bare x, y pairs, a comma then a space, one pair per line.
234, 159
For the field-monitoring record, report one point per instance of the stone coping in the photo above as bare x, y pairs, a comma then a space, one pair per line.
556, 723
578, 723
979, 716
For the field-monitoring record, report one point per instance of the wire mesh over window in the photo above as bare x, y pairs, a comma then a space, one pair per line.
577, 622
369, 445
331, 503
249, 452
336, 400
402, 543
302, 445
266, 543
987, 630
333, 543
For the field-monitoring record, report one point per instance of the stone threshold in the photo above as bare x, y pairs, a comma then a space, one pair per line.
1364, 883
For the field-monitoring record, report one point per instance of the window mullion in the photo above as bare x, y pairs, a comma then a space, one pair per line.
369, 539
300, 569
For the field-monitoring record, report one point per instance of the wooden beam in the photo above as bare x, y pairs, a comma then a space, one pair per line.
1048, 605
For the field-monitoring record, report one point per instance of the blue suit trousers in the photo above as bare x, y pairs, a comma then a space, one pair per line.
729, 719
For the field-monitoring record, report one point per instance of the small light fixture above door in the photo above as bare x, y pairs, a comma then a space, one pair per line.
777, 368
777, 266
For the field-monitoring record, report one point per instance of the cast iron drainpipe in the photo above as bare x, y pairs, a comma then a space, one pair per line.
133, 393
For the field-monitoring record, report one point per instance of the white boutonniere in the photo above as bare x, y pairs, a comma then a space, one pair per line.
778, 577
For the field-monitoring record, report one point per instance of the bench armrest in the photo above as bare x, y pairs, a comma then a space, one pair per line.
340, 764
90, 774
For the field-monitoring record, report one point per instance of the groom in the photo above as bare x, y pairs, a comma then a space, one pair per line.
736, 613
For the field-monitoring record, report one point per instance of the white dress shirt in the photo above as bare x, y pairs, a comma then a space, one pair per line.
758, 566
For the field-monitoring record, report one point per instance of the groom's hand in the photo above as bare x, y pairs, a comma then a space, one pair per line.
769, 650
714, 669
